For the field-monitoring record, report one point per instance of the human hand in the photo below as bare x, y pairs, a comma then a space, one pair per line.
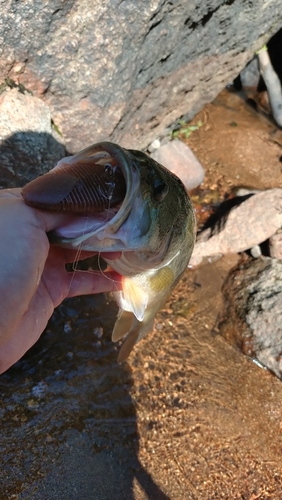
33, 278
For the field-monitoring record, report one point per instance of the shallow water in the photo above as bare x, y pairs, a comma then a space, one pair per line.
188, 417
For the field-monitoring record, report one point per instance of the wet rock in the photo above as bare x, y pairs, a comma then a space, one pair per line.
28, 144
180, 160
254, 317
123, 70
252, 222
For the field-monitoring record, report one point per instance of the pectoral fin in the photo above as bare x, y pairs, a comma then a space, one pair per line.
132, 298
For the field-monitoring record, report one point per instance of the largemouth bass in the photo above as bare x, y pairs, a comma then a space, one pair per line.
125, 202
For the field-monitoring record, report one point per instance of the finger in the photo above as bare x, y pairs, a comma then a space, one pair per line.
40, 218
90, 282
11, 193
28, 330
111, 255
68, 255
11, 352
21, 341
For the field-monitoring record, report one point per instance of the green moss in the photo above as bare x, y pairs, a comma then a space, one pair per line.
11, 84
182, 128
56, 128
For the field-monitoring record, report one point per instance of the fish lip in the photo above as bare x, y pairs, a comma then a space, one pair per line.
122, 157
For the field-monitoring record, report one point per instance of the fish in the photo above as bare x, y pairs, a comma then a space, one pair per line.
123, 201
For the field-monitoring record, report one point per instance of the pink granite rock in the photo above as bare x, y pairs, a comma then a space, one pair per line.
275, 245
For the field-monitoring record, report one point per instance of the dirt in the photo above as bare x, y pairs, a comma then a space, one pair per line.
238, 144
189, 416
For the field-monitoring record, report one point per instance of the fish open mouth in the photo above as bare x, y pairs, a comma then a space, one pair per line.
93, 186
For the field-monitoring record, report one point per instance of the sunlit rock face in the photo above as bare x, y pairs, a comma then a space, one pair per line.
125, 70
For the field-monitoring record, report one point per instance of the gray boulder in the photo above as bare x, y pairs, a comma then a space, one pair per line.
126, 70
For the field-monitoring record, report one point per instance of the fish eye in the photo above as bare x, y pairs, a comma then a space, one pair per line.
160, 190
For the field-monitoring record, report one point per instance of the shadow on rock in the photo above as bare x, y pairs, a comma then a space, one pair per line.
25, 155
216, 222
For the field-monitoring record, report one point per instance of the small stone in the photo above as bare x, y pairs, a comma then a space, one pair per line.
39, 390
179, 159
159, 326
97, 344
154, 145
256, 251
32, 403
67, 327
98, 332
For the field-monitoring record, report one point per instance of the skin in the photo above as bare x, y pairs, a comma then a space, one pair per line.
33, 278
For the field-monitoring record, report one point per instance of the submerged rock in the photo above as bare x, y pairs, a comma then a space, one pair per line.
180, 160
253, 321
246, 225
